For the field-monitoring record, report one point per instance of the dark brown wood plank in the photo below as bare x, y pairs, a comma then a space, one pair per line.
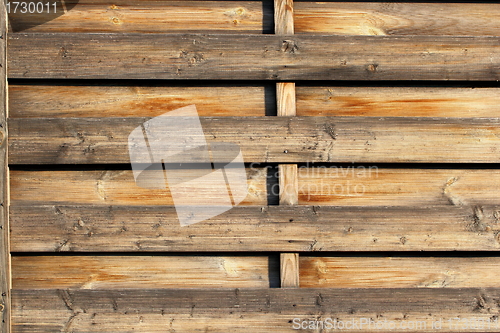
399, 272
261, 310
252, 57
50, 100
134, 272
397, 18
5, 273
273, 228
398, 101
149, 16
269, 139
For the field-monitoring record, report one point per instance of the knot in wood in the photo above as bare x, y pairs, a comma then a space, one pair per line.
289, 46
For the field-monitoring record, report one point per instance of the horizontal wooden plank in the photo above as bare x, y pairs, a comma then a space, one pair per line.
398, 272
400, 18
107, 187
373, 186
262, 310
397, 101
133, 272
268, 139
148, 16
31, 101
252, 57
267, 228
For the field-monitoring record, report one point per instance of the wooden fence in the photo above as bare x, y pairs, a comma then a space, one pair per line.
371, 139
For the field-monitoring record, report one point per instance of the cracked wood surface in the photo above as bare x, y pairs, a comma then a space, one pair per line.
269, 139
272, 228
235, 310
252, 57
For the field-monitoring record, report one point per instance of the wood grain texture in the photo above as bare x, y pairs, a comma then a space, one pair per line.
285, 97
150, 16
5, 272
289, 186
286, 106
134, 272
403, 18
105, 187
235, 310
283, 17
252, 57
32, 101
397, 101
269, 139
289, 270
372, 186
272, 228
398, 272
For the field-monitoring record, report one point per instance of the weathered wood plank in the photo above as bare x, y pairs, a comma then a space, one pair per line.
5, 272
289, 270
106, 187
273, 228
401, 18
252, 57
398, 101
398, 272
373, 186
31, 101
150, 16
269, 139
263, 310
133, 272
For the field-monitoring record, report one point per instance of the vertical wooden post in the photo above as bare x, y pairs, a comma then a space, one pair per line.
285, 97
5, 277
